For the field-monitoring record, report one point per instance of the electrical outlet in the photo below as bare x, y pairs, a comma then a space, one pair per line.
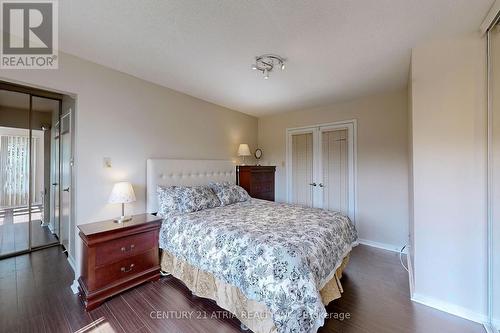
107, 162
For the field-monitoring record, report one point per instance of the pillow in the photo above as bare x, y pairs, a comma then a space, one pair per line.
229, 193
184, 199
197, 198
169, 200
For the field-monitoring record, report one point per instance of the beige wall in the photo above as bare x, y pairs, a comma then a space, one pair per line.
382, 201
449, 174
130, 120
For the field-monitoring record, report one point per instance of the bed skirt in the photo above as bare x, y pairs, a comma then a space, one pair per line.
255, 315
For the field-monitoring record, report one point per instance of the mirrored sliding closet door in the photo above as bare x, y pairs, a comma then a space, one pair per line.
29, 170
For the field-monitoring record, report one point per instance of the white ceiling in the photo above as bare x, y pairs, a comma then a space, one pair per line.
336, 49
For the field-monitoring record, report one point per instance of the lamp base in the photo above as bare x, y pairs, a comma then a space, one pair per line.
122, 219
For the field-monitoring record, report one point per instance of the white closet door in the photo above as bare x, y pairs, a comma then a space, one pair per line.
321, 167
302, 169
334, 171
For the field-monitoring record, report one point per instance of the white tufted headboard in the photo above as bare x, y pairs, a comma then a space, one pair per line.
184, 172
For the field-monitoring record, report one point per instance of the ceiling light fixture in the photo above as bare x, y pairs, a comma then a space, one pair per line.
266, 63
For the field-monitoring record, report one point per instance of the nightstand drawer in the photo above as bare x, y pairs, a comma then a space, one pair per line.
125, 268
125, 247
117, 257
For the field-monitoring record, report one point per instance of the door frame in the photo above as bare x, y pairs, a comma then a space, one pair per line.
351, 126
69, 131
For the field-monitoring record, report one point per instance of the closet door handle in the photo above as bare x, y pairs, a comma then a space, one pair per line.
313, 184
321, 185
66, 189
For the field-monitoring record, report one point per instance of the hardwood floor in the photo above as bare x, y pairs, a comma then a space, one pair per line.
14, 230
35, 297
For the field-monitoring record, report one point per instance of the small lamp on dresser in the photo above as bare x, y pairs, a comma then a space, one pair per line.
243, 150
122, 193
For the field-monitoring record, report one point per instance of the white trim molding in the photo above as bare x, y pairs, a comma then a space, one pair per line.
74, 286
383, 246
71, 261
496, 325
410, 270
492, 328
450, 308
491, 17
351, 127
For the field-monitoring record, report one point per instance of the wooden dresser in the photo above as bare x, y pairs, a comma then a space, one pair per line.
117, 257
258, 181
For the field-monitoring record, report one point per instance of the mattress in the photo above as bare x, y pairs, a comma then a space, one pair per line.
276, 254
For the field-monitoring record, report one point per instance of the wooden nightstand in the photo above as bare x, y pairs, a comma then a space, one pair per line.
117, 257
257, 180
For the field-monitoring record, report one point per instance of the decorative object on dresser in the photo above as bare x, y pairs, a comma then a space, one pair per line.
117, 257
122, 193
258, 155
244, 150
257, 180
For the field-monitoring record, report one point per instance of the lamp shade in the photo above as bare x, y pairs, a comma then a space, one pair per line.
244, 150
122, 193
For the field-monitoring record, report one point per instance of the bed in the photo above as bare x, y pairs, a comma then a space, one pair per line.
274, 266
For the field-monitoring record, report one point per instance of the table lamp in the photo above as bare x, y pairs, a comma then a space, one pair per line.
243, 150
122, 193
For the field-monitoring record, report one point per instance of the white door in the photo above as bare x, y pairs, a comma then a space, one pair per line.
302, 166
334, 176
66, 162
320, 167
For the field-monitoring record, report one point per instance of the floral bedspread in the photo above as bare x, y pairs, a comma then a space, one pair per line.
278, 254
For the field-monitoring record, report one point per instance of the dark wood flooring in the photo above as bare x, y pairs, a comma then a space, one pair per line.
14, 230
35, 297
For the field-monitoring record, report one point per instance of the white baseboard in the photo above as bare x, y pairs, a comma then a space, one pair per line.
453, 309
495, 325
74, 287
492, 327
410, 271
383, 246
489, 328
71, 261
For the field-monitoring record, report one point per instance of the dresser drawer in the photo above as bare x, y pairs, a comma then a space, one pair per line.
127, 267
259, 187
265, 196
261, 177
125, 247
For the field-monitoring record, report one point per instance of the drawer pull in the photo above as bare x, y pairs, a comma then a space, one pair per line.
124, 249
126, 270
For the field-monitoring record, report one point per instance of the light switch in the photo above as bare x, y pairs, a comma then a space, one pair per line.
107, 162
